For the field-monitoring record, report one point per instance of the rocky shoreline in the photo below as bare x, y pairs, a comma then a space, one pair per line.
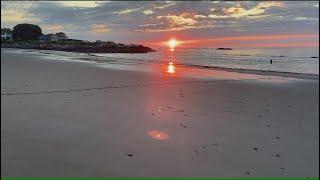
79, 46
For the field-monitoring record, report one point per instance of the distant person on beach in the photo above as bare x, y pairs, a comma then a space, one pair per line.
270, 61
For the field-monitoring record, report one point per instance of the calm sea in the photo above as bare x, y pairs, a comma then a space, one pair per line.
298, 60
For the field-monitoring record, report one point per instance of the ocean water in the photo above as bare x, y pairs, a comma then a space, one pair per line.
296, 60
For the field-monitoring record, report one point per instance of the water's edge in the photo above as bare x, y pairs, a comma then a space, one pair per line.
105, 60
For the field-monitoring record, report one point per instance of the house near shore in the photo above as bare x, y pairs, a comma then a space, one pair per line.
61, 36
47, 37
6, 36
53, 37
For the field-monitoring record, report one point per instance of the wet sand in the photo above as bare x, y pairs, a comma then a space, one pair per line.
63, 118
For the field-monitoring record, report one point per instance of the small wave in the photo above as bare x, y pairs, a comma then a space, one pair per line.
279, 56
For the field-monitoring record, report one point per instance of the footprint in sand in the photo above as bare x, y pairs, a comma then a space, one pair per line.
205, 148
174, 109
129, 154
169, 107
182, 125
277, 155
179, 110
276, 139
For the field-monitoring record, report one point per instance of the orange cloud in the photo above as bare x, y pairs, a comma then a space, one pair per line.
265, 37
285, 44
96, 28
179, 20
239, 12
52, 28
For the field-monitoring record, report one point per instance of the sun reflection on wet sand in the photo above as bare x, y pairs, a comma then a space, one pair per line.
158, 135
171, 69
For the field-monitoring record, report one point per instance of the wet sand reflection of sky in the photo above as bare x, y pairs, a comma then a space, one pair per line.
170, 67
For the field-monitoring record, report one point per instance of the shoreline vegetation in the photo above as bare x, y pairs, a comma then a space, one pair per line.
79, 46
30, 36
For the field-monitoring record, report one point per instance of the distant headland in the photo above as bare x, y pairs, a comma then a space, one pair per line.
29, 36
224, 49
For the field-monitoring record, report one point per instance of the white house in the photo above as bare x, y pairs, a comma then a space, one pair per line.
6, 36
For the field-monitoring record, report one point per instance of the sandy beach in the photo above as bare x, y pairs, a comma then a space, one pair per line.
68, 118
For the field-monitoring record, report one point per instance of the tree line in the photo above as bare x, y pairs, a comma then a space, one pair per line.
24, 32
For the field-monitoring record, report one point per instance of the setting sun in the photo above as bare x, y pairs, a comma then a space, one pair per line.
172, 43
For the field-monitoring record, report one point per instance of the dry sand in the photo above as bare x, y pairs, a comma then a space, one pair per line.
63, 118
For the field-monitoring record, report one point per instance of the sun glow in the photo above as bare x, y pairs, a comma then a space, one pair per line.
172, 43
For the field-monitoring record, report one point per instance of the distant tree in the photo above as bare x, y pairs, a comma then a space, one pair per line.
26, 32
6, 30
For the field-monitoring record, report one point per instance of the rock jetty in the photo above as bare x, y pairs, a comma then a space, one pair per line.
79, 46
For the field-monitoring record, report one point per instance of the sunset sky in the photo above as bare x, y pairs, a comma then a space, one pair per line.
195, 24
